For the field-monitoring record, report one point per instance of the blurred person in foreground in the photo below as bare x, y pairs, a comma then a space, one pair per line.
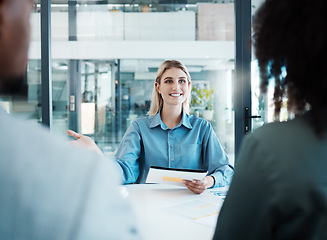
279, 189
47, 189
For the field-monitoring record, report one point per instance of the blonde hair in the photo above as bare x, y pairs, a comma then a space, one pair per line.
156, 100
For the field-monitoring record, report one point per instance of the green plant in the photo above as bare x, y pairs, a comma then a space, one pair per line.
202, 98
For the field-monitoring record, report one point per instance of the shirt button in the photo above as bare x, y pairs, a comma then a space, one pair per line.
171, 146
171, 131
172, 159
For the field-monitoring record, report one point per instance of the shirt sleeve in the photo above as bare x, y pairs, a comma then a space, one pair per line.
128, 154
216, 159
246, 212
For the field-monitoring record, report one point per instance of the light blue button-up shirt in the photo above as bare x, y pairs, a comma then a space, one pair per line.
192, 144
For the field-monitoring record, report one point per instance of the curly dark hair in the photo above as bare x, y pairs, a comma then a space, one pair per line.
292, 35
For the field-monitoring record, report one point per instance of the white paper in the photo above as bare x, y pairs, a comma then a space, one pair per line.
173, 176
198, 211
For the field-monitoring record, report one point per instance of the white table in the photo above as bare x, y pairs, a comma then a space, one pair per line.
161, 211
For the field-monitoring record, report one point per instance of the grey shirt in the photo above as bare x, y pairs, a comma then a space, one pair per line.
279, 189
50, 190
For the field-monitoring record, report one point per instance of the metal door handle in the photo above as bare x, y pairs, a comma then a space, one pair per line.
247, 119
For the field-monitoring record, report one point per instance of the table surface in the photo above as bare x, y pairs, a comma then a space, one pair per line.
169, 212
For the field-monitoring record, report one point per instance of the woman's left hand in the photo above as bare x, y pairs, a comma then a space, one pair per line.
198, 186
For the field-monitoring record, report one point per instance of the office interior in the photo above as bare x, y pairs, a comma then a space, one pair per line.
103, 61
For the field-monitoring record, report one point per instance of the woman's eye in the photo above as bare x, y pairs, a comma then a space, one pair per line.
169, 81
182, 81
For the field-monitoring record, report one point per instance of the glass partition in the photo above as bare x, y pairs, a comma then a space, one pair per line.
105, 55
158, 20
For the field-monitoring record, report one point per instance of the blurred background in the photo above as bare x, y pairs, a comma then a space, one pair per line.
104, 58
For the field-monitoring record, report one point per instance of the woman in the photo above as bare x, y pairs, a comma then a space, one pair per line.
170, 137
279, 190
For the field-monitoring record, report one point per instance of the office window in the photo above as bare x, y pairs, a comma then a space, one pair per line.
105, 56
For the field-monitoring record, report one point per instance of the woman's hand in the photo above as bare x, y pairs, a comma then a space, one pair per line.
84, 142
198, 186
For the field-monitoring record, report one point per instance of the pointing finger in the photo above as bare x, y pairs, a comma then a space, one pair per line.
74, 134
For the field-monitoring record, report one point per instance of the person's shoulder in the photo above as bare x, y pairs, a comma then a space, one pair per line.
284, 135
282, 129
22, 129
38, 145
198, 121
284, 149
269, 128
268, 133
143, 120
193, 118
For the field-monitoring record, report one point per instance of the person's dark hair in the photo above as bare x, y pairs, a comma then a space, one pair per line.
292, 35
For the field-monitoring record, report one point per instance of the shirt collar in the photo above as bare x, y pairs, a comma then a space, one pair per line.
156, 121
186, 120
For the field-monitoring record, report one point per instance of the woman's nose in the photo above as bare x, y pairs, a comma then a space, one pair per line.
175, 86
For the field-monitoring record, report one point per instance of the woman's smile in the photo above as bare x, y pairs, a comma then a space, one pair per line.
176, 94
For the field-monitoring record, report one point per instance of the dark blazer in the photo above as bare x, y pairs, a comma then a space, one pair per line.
279, 189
